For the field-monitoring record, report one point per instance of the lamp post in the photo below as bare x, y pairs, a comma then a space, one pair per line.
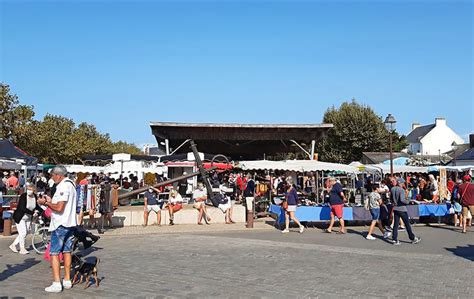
390, 126
454, 147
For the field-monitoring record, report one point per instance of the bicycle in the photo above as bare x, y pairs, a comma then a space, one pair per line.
41, 235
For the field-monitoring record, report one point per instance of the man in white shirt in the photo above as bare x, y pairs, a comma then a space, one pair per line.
63, 223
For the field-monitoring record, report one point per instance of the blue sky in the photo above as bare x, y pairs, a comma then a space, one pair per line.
122, 64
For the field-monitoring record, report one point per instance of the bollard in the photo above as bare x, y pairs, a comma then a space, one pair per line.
249, 201
7, 227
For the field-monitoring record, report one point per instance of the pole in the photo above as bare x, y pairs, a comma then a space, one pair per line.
202, 171
391, 155
313, 144
143, 189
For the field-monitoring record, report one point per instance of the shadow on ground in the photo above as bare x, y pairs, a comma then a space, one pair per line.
18, 268
466, 252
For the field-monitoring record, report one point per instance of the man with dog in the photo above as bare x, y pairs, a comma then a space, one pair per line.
63, 223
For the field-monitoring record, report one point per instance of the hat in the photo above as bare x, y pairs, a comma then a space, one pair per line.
466, 177
400, 181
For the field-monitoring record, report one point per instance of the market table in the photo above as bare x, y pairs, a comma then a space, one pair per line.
322, 213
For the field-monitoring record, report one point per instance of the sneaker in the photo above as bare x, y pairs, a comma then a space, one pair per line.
401, 229
388, 228
54, 288
67, 284
396, 242
301, 229
23, 251
13, 248
370, 237
387, 235
285, 231
171, 222
416, 240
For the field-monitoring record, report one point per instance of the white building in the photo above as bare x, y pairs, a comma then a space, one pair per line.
432, 139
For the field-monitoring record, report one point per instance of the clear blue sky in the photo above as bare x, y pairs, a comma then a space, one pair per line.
120, 65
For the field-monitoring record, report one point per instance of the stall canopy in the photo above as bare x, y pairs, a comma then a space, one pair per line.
296, 165
8, 151
462, 168
385, 168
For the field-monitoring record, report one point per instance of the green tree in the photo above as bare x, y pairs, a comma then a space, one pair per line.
14, 118
356, 129
124, 147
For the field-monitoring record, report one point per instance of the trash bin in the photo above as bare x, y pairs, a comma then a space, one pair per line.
7, 223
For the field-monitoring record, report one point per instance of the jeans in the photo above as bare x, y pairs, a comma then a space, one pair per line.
62, 240
404, 215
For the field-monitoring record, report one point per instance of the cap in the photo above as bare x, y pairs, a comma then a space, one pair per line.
400, 181
466, 177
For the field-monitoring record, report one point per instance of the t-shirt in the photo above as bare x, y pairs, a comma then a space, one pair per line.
292, 197
176, 199
468, 198
399, 199
374, 198
199, 194
151, 198
65, 191
12, 182
250, 189
334, 195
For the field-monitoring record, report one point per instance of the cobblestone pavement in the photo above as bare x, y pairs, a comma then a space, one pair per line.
215, 262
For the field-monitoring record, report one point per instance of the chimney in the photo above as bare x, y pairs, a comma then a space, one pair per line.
440, 121
414, 126
471, 140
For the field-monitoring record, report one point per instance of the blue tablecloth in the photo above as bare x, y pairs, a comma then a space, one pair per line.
433, 210
307, 213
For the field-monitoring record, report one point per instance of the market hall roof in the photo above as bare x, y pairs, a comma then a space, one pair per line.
239, 140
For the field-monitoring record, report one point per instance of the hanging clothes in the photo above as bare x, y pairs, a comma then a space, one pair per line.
114, 193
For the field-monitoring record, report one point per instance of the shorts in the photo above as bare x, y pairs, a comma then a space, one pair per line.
337, 210
154, 208
225, 207
291, 208
466, 209
62, 240
176, 207
375, 212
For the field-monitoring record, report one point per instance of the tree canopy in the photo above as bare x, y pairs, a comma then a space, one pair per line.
55, 139
357, 129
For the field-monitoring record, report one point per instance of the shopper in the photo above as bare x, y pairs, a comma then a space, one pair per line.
63, 223
26, 209
336, 202
400, 211
292, 200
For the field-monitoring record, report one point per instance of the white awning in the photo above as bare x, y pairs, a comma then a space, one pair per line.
296, 165
7, 164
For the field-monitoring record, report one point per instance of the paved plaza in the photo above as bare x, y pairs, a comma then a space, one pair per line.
212, 261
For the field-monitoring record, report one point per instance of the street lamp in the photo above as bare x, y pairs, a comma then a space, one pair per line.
390, 126
454, 147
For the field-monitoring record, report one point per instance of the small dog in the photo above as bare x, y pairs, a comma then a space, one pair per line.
85, 270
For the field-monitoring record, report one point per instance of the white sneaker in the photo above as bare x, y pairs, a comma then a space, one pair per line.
387, 235
13, 248
67, 284
301, 229
54, 288
23, 251
370, 237
285, 231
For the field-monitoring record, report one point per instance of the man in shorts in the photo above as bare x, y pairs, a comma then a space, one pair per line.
152, 204
62, 226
